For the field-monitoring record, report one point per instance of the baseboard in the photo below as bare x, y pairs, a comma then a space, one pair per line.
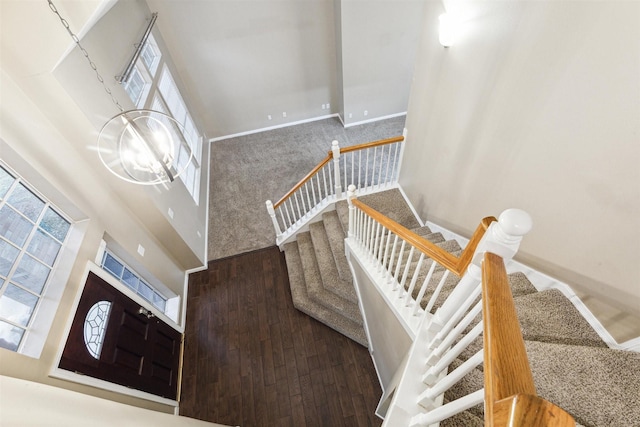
363, 122
284, 125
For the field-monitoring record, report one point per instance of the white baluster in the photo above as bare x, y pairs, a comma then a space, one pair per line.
335, 149
272, 214
447, 410
427, 398
351, 194
501, 238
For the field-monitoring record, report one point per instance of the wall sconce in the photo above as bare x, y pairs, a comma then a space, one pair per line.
448, 29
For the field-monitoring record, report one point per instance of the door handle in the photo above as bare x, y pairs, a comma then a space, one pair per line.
143, 311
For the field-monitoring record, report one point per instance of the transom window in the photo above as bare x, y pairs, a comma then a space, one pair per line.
126, 275
32, 235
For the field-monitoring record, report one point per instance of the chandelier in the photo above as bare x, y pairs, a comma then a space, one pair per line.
139, 146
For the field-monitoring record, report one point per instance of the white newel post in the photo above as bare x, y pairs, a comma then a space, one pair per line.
272, 214
501, 238
335, 149
351, 194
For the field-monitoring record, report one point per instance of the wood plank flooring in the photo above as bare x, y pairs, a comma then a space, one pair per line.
252, 359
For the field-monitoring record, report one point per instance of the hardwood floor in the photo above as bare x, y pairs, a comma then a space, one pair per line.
252, 359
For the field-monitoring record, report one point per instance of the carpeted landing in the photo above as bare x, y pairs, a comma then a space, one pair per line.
572, 366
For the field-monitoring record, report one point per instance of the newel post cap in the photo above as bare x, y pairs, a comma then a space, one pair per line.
351, 193
515, 222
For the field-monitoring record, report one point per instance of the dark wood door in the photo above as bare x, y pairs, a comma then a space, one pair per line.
138, 350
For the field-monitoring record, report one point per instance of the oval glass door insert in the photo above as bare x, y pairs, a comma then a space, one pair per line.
95, 325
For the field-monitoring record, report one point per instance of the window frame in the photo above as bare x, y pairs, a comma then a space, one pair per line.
107, 252
45, 310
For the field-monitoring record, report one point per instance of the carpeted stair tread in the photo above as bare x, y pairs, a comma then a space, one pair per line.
390, 203
316, 288
331, 280
549, 316
597, 386
520, 285
422, 231
336, 236
463, 419
470, 383
302, 302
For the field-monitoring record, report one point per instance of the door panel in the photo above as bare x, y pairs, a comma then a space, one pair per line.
139, 350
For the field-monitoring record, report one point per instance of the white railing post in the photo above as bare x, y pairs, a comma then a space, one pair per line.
335, 149
351, 194
272, 214
501, 238
504, 236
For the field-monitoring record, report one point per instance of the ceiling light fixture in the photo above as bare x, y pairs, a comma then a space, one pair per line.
138, 146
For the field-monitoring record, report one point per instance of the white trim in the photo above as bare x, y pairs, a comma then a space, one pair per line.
39, 326
284, 125
413, 209
63, 374
59, 373
362, 122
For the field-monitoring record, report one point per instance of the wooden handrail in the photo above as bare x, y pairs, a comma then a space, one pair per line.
510, 393
368, 145
329, 157
457, 265
302, 181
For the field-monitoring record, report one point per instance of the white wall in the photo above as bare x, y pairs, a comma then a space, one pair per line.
536, 106
390, 342
31, 404
111, 44
46, 138
245, 60
378, 47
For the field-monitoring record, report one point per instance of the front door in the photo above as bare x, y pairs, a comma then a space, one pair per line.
113, 338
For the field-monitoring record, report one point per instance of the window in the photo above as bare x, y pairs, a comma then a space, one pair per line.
121, 271
168, 91
158, 91
32, 235
135, 86
150, 55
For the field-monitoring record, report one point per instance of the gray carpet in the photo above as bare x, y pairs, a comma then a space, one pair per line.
571, 365
248, 170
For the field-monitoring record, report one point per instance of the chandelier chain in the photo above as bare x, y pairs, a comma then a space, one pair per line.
86, 55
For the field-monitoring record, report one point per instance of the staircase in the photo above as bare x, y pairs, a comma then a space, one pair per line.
571, 365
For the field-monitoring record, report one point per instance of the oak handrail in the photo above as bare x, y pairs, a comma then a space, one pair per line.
368, 145
302, 181
510, 393
457, 265
329, 157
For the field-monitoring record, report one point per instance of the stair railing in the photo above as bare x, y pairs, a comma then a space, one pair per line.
406, 265
441, 336
373, 166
